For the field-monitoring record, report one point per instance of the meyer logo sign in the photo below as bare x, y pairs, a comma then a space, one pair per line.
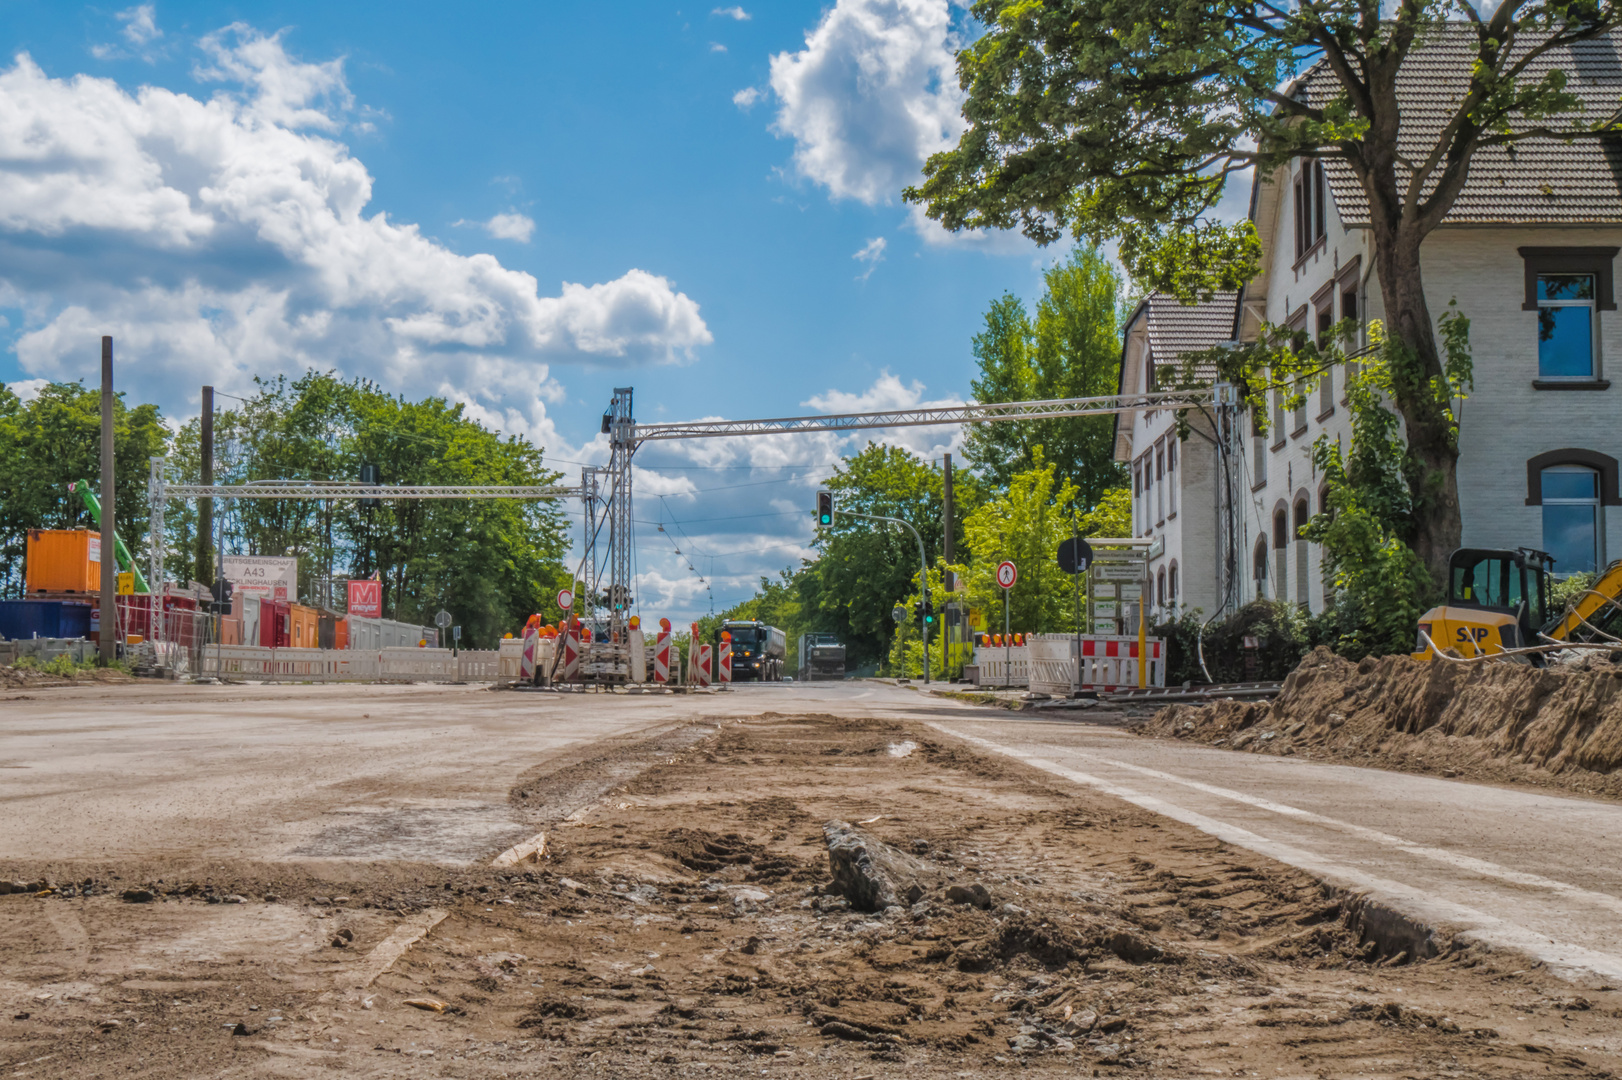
366, 599
264, 577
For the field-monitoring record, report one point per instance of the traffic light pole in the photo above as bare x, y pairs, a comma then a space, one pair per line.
923, 565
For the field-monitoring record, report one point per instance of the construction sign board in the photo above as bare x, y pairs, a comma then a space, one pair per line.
1132, 571
366, 599
264, 577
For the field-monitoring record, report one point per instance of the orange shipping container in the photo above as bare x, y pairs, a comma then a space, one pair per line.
341, 634
63, 560
304, 629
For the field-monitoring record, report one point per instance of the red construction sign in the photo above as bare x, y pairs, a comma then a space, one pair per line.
366, 599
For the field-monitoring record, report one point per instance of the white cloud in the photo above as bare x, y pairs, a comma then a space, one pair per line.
511, 226
746, 98
221, 239
716, 46
747, 502
140, 30
873, 93
872, 254
734, 12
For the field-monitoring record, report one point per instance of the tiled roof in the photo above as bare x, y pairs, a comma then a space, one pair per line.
1175, 328
1545, 181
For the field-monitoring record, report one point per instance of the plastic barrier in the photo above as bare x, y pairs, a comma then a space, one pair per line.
723, 671
661, 657
704, 656
1108, 662
571, 654
639, 656
526, 663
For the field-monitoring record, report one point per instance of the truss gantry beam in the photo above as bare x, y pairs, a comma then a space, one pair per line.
363, 491
1109, 405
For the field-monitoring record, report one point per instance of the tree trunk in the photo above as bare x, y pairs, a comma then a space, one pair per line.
1432, 444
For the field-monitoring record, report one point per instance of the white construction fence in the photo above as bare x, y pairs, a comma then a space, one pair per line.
1048, 663
256, 662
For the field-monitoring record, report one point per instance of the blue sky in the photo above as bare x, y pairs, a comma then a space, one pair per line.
700, 203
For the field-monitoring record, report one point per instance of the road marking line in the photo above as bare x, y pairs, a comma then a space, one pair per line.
1441, 855
1563, 958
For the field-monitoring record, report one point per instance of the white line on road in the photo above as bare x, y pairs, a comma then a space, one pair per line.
1563, 958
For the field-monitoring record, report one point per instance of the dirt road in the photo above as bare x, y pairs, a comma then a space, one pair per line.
284, 881
1513, 868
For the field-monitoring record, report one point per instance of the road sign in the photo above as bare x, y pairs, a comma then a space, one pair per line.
565, 599
898, 613
456, 632
366, 599
1075, 555
1132, 571
1104, 609
442, 620
1007, 574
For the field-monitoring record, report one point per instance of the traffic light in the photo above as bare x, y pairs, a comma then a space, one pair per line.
825, 508
929, 613
924, 613
373, 476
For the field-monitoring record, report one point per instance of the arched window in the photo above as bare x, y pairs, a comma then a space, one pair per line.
1571, 518
1281, 562
1171, 583
1302, 556
1281, 527
1160, 587
1258, 568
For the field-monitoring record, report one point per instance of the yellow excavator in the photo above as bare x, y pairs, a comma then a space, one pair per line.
1498, 601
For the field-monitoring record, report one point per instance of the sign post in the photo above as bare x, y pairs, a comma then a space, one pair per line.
1007, 574
1074, 556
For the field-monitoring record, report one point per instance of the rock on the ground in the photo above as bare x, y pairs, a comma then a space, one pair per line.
975, 895
871, 874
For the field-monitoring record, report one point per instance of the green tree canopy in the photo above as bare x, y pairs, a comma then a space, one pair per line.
1073, 349
53, 439
1125, 119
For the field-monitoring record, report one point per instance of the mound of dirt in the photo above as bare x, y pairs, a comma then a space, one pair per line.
1559, 726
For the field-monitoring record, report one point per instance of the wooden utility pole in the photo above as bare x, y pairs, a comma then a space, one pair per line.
109, 556
205, 506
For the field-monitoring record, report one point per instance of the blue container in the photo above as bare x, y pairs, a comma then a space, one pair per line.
44, 618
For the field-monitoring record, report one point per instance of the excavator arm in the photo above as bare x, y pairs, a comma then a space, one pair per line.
1599, 607
81, 488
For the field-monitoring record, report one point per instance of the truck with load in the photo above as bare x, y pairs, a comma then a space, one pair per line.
759, 652
822, 657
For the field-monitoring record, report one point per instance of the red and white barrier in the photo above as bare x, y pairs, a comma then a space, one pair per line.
723, 671
571, 654
526, 663
704, 658
661, 657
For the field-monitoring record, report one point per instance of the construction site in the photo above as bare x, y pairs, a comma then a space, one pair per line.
284, 840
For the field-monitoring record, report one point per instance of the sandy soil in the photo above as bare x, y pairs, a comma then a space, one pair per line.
1501, 723
679, 927
22, 678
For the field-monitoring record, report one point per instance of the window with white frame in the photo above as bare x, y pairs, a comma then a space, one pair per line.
1160, 486
1566, 326
1572, 518
1171, 475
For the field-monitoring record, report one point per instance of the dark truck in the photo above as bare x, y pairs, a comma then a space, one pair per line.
759, 651
821, 657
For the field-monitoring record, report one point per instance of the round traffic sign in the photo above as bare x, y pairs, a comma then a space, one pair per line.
442, 620
1075, 555
565, 599
1007, 575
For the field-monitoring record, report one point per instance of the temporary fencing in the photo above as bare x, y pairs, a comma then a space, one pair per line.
350, 665
1107, 662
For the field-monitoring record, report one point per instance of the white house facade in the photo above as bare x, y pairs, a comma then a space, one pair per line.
1529, 253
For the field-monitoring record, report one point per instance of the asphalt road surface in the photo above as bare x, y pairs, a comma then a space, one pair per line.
1517, 869
424, 772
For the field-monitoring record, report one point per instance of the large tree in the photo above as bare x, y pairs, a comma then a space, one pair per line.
1124, 119
1072, 349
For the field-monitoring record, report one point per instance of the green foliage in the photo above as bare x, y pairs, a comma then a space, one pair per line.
60, 665
54, 439
1025, 524
1073, 349
1381, 587
1282, 631
1569, 589
1125, 118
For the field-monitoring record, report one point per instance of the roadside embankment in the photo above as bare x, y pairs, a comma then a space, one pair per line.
1501, 722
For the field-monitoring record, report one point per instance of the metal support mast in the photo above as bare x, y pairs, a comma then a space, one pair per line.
622, 444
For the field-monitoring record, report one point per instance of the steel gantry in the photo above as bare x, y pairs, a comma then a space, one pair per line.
159, 492
606, 491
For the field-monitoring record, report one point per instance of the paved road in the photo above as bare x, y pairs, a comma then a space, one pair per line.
1518, 869
267, 772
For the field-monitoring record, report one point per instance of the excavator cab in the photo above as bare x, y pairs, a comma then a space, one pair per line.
1496, 600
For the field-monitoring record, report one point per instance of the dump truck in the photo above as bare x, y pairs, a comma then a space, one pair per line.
758, 651
821, 657
1498, 601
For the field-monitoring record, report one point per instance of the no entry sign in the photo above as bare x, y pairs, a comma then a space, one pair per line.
1007, 574
565, 599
